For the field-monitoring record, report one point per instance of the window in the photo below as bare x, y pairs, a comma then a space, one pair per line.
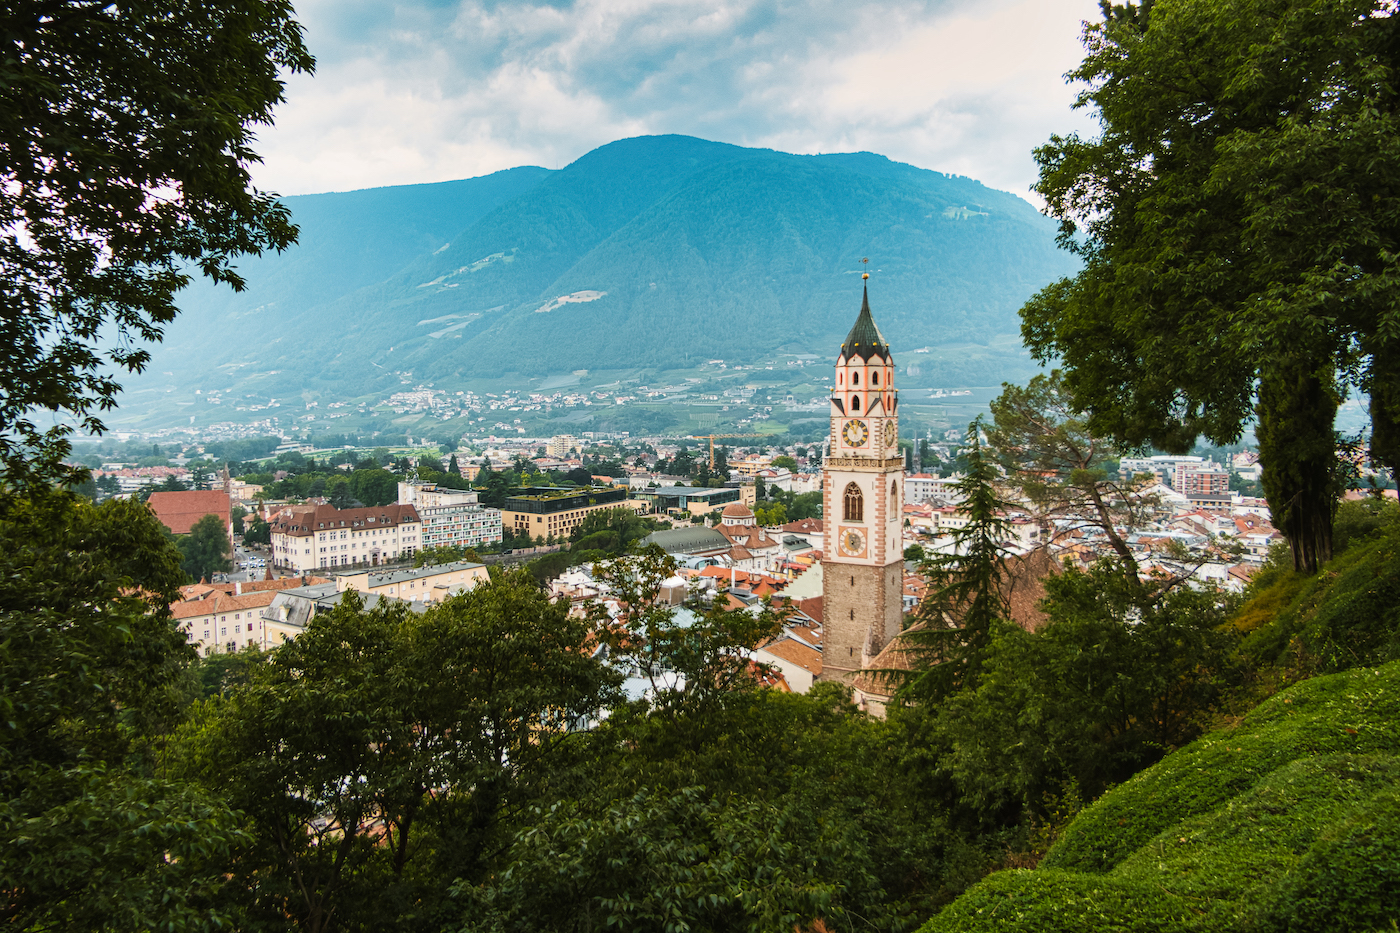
855, 403
855, 379
894, 492
854, 504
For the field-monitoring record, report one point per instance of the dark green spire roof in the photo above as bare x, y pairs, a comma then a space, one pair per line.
865, 339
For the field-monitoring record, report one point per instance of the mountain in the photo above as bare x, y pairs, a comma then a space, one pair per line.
653, 252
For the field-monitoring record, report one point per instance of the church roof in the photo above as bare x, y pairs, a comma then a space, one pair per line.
865, 339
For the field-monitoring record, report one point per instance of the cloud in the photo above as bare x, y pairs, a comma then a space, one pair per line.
422, 91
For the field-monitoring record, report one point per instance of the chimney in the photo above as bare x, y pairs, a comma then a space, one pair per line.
237, 587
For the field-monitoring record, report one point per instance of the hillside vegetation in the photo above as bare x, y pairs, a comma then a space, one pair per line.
1287, 820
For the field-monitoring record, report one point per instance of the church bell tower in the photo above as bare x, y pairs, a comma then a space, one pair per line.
863, 562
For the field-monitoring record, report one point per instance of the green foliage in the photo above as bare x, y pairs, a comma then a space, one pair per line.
1361, 518
1279, 823
259, 532
965, 597
1352, 713
1344, 617
771, 515
205, 550
691, 658
1349, 880
377, 754
91, 672
100, 108
1232, 236
1111, 683
373, 486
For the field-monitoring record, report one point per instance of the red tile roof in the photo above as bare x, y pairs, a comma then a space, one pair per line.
179, 511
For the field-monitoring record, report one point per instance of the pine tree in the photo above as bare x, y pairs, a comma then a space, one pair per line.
966, 596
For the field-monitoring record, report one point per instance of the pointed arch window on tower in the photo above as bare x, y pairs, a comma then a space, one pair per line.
855, 403
854, 510
875, 378
855, 379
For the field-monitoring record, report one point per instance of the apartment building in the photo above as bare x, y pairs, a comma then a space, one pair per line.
306, 538
451, 517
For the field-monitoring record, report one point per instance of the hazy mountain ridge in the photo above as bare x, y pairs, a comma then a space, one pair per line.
673, 249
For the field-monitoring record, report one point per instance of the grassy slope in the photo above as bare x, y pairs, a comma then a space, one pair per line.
1284, 822
1287, 821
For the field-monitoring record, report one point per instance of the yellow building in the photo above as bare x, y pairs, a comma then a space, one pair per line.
420, 584
542, 511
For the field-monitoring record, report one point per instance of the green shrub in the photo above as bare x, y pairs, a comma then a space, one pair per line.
1355, 713
1222, 864
1360, 518
1348, 880
1060, 902
1288, 822
1346, 616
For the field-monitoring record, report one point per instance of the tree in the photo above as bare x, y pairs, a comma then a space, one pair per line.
125, 134
381, 754
966, 597
1060, 467
205, 550
1114, 680
259, 532
1237, 227
374, 487
93, 834
785, 462
692, 658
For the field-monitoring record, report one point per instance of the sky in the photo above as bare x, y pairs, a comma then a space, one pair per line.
422, 90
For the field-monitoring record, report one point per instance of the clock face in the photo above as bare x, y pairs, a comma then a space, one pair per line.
852, 542
891, 434
855, 433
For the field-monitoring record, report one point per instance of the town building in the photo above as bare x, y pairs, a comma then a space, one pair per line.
179, 511
227, 618
451, 517
427, 585
863, 566
545, 511
921, 487
1203, 478
560, 445
307, 537
685, 501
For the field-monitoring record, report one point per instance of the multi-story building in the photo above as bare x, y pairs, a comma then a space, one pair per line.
1202, 478
921, 487
427, 585
451, 517
544, 511
560, 445
308, 538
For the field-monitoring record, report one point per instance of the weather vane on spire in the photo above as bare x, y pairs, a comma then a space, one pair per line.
865, 260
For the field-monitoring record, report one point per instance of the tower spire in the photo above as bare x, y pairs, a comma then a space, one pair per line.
865, 339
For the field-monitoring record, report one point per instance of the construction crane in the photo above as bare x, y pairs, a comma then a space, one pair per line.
711, 439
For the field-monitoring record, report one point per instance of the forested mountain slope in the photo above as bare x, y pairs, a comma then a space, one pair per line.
655, 251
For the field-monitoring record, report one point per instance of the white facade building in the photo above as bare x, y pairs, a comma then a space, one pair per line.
451, 517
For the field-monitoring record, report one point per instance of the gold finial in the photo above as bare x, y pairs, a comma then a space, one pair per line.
865, 260
865, 275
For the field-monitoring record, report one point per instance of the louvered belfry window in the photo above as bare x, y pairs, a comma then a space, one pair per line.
855, 504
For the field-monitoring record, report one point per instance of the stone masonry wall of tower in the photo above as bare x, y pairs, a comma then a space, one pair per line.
862, 566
